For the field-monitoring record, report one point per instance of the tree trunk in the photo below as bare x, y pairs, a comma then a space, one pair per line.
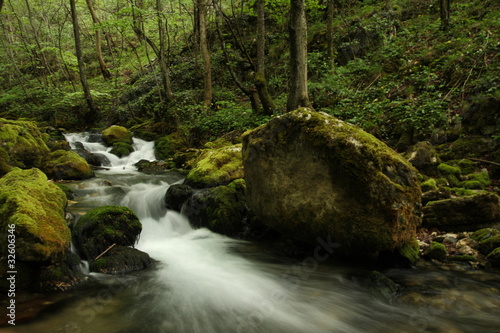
330, 10
204, 51
90, 116
298, 94
162, 55
260, 75
445, 14
102, 65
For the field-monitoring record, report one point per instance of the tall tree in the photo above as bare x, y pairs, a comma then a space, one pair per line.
260, 75
330, 53
90, 116
201, 24
298, 94
445, 14
102, 65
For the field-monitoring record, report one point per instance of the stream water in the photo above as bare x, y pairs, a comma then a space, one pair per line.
205, 282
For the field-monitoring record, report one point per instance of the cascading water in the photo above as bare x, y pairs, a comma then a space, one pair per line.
204, 282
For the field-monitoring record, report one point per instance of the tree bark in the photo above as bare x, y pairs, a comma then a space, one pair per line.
298, 94
162, 55
260, 75
445, 14
330, 11
90, 116
205, 52
102, 65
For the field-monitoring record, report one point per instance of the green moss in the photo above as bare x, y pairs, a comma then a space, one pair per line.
67, 165
435, 251
467, 166
411, 251
67, 191
238, 184
121, 149
494, 257
481, 177
489, 244
101, 227
462, 192
429, 185
115, 134
462, 258
226, 210
36, 207
484, 233
472, 185
447, 170
216, 167
23, 143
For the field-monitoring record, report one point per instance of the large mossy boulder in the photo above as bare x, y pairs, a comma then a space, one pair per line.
22, 143
309, 175
115, 134
468, 213
424, 157
33, 208
216, 167
67, 165
102, 227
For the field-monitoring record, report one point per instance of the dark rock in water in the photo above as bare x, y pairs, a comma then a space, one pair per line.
95, 138
152, 167
102, 227
62, 276
78, 145
464, 213
120, 260
122, 149
221, 209
92, 159
177, 195
309, 174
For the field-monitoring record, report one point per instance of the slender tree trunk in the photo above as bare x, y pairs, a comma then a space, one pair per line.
102, 65
445, 14
91, 114
204, 51
298, 94
162, 54
1, 5
260, 75
330, 11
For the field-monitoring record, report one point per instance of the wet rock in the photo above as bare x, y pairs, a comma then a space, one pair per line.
67, 165
153, 167
115, 134
438, 194
91, 158
216, 167
221, 209
177, 195
435, 251
121, 260
102, 227
121, 149
494, 257
35, 209
463, 214
309, 174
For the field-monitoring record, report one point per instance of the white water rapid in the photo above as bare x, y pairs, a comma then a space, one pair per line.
204, 282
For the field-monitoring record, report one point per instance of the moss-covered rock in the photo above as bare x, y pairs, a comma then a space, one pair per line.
424, 157
221, 209
309, 174
464, 213
216, 167
429, 185
472, 146
494, 257
115, 134
166, 147
23, 143
485, 233
36, 208
102, 227
435, 251
4, 162
121, 149
67, 165
121, 260
70, 195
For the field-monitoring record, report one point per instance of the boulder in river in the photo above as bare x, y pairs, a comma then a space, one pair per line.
100, 228
68, 165
311, 176
33, 209
116, 133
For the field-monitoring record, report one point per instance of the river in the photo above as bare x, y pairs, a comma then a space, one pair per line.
205, 282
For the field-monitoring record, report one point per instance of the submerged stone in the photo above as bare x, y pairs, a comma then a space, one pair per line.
309, 174
121, 260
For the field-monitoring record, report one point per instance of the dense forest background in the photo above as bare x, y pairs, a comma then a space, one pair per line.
204, 69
